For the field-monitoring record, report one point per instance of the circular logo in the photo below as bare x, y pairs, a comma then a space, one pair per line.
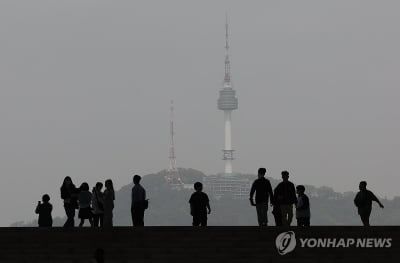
285, 242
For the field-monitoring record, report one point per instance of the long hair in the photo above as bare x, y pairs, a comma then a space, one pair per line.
110, 187
64, 185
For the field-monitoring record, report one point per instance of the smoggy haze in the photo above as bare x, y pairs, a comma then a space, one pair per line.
85, 90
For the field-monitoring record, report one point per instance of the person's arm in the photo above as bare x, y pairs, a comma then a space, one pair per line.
374, 198
209, 208
191, 205
306, 202
293, 193
278, 193
208, 205
132, 197
51, 207
270, 193
191, 209
252, 191
37, 210
64, 194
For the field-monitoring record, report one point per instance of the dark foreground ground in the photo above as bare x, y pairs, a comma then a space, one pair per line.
211, 244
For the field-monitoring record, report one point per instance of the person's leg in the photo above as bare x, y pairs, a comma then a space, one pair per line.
259, 214
82, 222
365, 220
307, 222
96, 219
284, 218
141, 217
196, 221
289, 214
70, 212
101, 217
277, 215
133, 217
107, 219
204, 221
265, 214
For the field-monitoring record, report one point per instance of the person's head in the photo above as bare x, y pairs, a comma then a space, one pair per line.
261, 172
67, 181
84, 187
110, 187
300, 189
363, 185
109, 184
198, 186
99, 186
285, 176
45, 198
136, 179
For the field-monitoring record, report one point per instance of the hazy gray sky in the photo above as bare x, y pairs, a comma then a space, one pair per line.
85, 89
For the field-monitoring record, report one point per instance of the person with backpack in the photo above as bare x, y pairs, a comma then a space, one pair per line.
139, 202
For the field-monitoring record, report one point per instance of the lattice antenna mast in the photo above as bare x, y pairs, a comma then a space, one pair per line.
172, 156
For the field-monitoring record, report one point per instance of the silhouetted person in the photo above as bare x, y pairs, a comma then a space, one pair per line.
98, 205
285, 195
363, 201
44, 211
263, 190
199, 205
69, 194
98, 256
109, 197
302, 207
85, 200
138, 204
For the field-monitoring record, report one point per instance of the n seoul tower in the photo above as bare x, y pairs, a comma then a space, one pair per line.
227, 102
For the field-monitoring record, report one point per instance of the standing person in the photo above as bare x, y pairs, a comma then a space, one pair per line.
199, 204
44, 210
363, 201
109, 197
263, 190
139, 201
285, 194
69, 194
98, 205
302, 207
85, 200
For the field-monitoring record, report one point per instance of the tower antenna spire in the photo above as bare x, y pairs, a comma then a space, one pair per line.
227, 79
